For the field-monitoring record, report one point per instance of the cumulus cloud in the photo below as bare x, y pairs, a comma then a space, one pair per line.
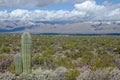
4, 15
27, 3
89, 6
87, 10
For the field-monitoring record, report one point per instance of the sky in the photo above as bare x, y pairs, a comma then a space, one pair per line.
59, 10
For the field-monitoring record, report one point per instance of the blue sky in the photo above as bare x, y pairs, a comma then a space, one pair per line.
64, 6
57, 11
46, 10
68, 5
111, 1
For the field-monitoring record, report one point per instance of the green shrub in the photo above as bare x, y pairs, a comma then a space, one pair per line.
2, 56
5, 49
44, 59
72, 54
36, 58
72, 74
101, 51
12, 68
102, 62
87, 57
65, 62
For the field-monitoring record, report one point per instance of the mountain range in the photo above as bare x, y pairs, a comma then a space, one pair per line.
62, 27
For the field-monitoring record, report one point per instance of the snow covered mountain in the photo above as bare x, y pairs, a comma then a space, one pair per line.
83, 27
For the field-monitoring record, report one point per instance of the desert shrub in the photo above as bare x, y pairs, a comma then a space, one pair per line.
7, 76
48, 52
12, 68
5, 49
36, 57
72, 54
44, 59
87, 57
99, 74
117, 50
64, 62
25, 77
102, 62
117, 61
5, 63
114, 74
83, 48
60, 73
57, 74
72, 74
2, 56
84, 74
101, 51
40, 74
69, 45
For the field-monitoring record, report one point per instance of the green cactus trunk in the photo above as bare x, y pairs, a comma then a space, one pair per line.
26, 52
18, 64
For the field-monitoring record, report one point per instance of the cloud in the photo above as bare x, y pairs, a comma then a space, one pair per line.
4, 15
88, 6
81, 1
87, 10
27, 3
115, 14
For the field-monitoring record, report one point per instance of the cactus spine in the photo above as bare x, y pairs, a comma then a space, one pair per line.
18, 64
26, 52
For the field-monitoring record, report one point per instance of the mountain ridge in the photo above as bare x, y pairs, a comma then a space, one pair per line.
83, 27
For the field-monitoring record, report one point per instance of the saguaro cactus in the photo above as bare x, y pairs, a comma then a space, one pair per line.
26, 43
18, 63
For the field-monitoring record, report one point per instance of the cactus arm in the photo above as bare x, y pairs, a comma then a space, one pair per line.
18, 64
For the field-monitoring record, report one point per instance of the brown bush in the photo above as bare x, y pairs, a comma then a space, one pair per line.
5, 63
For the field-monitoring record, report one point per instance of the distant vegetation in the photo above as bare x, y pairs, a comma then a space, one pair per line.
71, 52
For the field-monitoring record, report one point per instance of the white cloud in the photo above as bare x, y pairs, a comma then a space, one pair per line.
81, 1
24, 3
19, 14
114, 14
4, 15
88, 6
87, 10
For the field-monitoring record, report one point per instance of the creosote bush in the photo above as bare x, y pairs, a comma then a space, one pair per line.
70, 52
72, 74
